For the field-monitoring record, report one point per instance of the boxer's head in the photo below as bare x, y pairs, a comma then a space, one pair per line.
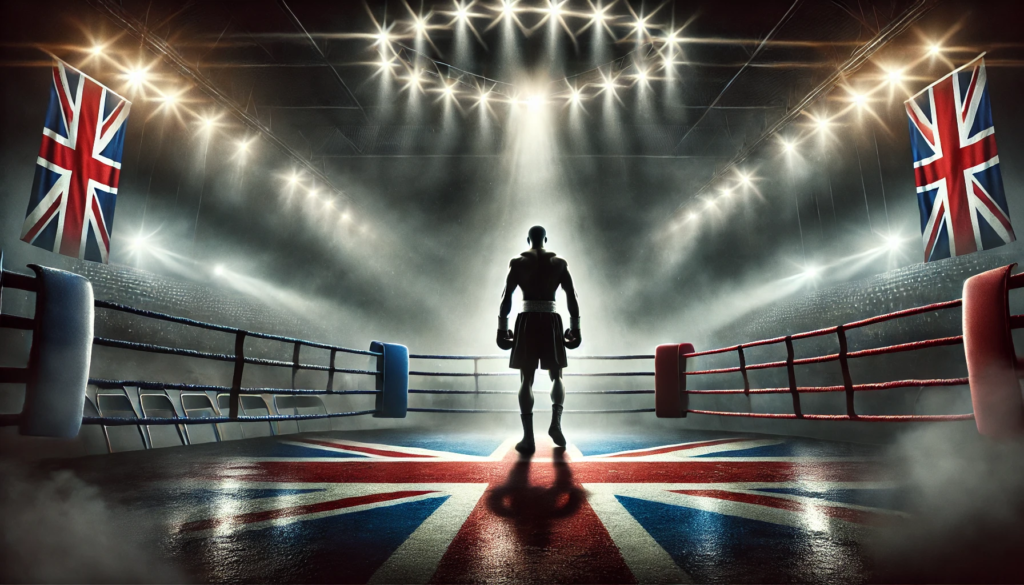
538, 237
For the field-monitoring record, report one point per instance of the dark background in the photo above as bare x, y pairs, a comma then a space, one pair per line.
439, 197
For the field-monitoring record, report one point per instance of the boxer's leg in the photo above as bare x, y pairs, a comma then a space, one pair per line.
526, 391
557, 398
526, 446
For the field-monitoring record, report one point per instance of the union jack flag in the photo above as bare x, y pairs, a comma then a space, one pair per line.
395, 507
71, 209
956, 165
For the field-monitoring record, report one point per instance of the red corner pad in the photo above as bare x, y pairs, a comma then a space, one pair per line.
670, 399
991, 359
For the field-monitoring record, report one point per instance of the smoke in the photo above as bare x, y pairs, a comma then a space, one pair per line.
57, 529
965, 497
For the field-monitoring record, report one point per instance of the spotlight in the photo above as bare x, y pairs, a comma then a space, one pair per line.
345, 216
788, 146
858, 99
385, 63
169, 100
329, 204
294, 179
136, 76
641, 76
218, 270
810, 271
243, 146
744, 179
420, 25
934, 49
895, 76
96, 49
209, 123
640, 25
893, 242
508, 8
461, 14
691, 216
822, 123
139, 242
482, 99
312, 194
534, 102
575, 96
449, 91
554, 8
599, 15
726, 192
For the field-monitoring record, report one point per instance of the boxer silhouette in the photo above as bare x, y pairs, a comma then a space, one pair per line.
538, 336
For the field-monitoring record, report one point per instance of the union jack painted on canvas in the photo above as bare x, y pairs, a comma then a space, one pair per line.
956, 165
71, 209
471, 510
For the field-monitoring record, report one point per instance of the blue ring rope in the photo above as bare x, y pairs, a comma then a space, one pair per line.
223, 328
146, 385
118, 421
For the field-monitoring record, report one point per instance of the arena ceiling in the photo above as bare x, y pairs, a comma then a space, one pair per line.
625, 140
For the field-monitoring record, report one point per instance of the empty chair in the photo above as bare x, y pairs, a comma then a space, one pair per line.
93, 437
159, 406
303, 405
249, 405
199, 406
120, 438
228, 431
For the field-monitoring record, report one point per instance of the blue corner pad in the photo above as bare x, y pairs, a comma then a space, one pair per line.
61, 351
392, 379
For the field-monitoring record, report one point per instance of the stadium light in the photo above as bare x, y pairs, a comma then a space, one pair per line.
893, 242
575, 96
96, 49
420, 24
934, 49
137, 76
895, 76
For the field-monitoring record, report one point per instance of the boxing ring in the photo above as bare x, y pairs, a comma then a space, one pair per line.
63, 324
412, 504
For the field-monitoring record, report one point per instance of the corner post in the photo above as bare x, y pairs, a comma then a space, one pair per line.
670, 397
58, 365
392, 379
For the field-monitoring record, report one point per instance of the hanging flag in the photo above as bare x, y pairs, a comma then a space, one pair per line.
956, 164
71, 209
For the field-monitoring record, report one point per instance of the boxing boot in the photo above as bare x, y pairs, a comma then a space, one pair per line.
555, 430
526, 446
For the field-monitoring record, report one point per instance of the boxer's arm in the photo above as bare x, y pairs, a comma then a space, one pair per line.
571, 300
506, 299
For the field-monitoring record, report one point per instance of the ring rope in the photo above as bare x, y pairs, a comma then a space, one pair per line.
859, 417
146, 385
416, 391
492, 374
117, 421
419, 356
501, 410
151, 348
856, 387
835, 329
225, 329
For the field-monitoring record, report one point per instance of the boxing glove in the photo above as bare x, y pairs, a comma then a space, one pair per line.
573, 338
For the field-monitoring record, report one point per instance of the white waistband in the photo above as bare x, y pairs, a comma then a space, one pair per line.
539, 307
